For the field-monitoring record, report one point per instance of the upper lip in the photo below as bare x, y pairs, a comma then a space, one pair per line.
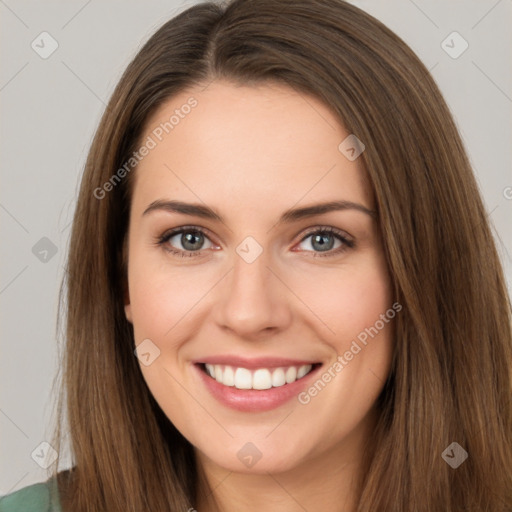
255, 362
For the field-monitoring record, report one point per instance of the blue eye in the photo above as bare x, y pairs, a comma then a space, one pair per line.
192, 240
323, 240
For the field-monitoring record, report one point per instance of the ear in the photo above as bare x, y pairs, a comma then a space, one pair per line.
125, 288
128, 312
127, 304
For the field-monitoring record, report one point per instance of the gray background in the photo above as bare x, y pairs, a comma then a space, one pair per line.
50, 109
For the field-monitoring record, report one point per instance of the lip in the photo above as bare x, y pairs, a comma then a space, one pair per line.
254, 400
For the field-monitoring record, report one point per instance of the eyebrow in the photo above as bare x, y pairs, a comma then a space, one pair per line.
292, 215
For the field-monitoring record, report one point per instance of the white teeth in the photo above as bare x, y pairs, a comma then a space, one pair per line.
210, 370
243, 378
228, 377
291, 375
262, 378
278, 378
303, 370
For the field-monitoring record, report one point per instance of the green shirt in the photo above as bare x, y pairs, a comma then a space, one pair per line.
42, 497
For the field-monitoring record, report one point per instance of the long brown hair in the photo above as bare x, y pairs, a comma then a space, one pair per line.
451, 377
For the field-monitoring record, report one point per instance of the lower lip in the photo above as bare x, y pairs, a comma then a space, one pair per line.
254, 400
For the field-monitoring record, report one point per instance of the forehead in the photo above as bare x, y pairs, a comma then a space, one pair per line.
249, 147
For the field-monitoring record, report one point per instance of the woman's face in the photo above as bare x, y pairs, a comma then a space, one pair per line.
236, 269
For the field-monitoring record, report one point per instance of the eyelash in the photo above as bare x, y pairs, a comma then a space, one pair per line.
347, 244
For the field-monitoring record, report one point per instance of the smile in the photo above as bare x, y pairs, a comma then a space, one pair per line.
254, 385
261, 378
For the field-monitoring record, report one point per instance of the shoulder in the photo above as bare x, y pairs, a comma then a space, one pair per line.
41, 497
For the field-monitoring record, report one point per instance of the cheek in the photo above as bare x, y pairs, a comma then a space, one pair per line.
352, 304
349, 300
162, 304
161, 297
364, 300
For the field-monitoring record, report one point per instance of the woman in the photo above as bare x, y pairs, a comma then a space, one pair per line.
282, 289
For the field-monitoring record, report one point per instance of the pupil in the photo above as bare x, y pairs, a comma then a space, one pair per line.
188, 240
321, 239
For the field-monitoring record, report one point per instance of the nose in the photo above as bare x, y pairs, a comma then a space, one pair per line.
254, 301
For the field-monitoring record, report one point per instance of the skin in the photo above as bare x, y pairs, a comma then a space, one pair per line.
251, 153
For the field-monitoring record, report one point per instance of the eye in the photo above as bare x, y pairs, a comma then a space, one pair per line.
190, 241
185, 241
324, 240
